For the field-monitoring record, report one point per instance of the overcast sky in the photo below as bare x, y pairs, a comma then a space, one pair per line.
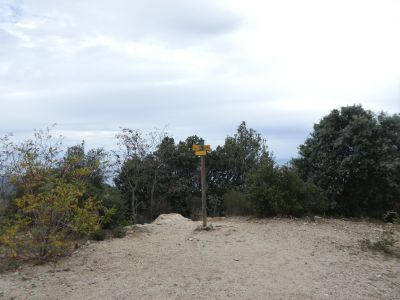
198, 66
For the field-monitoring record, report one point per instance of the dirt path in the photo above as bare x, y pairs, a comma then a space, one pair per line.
256, 259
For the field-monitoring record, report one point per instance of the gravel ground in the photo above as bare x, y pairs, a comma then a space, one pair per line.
239, 259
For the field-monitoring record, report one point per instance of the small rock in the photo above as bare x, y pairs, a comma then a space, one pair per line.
190, 239
66, 269
236, 259
1, 294
87, 243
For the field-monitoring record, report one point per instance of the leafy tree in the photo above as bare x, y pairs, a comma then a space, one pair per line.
354, 156
263, 188
241, 154
133, 149
229, 165
274, 190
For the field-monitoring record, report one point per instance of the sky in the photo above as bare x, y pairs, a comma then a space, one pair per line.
194, 66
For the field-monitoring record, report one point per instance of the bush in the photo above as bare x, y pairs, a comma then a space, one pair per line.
237, 204
386, 244
52, 205
276, 190
391, 217
99, 235
118, 232
48, 222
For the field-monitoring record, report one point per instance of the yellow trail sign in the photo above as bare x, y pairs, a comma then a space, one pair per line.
207, 147
196, 147
201, 153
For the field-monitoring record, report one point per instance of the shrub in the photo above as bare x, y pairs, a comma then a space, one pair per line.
237, 204
276, 190
386, 244
98, 235
392, 217
48, 222
118, 232
52, 203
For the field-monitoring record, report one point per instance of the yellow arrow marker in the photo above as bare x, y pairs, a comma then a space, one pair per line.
201, 153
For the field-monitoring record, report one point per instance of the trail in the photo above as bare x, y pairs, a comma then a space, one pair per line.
239, 259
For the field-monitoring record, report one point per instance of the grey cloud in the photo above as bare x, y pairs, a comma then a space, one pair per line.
171, 21
92, 66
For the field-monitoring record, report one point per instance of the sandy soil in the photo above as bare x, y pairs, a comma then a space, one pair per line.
239, 259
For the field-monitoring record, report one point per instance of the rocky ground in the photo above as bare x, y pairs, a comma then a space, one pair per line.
238, 259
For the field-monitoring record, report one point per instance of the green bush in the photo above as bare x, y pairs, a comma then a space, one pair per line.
99, 235
118, 232
274, 190
237, 204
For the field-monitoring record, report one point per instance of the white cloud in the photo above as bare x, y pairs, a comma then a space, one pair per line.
201, 66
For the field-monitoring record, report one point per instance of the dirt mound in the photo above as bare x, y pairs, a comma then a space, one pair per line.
169, 218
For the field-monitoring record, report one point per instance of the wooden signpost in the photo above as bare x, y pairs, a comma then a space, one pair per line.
201, 150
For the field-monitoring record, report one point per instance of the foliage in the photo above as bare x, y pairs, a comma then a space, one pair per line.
274, 190
166, 179
98, 235
52, 206
118, 232
386, 244
354, 156
236, 203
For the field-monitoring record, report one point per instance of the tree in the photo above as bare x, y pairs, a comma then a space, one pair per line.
7, 190
274, 190
228, 167
133, 149
354, 156
241, 154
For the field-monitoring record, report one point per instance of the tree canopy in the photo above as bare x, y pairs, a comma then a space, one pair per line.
354, 155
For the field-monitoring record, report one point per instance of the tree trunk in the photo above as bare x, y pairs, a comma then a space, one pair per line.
133, 203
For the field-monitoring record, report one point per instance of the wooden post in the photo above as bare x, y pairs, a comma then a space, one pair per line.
203, 190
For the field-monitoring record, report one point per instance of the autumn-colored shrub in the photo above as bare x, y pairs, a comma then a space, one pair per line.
52, 206
48, 222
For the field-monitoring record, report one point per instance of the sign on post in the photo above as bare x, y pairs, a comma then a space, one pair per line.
201, 150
